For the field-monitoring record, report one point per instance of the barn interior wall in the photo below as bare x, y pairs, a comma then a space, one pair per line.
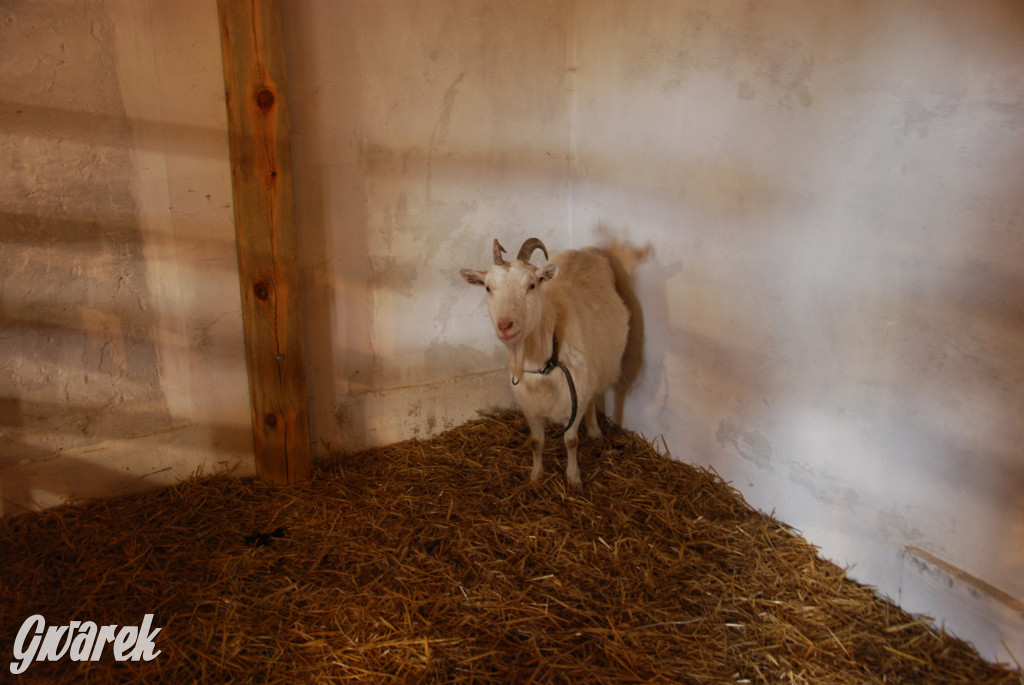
835, 299
121, 359
420, 132
833, 306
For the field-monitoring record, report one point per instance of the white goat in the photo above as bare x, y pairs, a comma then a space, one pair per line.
565, 328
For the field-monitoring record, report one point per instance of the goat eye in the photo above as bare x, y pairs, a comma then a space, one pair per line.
488, 288
533, 286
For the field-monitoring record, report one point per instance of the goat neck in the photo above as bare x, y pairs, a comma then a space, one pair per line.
534, 350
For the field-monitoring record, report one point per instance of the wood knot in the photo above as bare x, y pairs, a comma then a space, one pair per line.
261, 290
271, 419
265, 98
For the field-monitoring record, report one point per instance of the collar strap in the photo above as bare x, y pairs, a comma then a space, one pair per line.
553, 363
553, 360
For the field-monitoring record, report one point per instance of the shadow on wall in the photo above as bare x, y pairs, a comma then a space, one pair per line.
42, 122
624, 258
966, 374
40, 477
706, 330
79, 325
107, 320
84, 357
332, 228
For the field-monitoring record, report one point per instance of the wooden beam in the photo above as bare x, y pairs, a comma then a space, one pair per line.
261, 167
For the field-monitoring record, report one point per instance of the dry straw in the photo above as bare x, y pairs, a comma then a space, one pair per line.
434, 561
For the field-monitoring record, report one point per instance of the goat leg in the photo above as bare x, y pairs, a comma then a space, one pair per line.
537, 444
572, 469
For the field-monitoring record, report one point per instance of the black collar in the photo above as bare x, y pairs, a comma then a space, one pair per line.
553, 363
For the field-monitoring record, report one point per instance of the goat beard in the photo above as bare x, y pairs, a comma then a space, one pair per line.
516, 360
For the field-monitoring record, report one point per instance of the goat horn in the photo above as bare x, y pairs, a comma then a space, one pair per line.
529, 246
498, 249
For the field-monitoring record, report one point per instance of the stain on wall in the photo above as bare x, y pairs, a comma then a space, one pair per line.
749, 444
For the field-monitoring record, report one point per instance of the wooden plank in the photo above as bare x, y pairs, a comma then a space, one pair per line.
258, 124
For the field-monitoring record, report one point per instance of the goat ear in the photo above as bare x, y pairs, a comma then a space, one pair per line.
472, 276
547, 273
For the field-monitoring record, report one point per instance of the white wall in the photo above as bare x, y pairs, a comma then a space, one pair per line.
833, 193
421, 130
121, 359
835, 307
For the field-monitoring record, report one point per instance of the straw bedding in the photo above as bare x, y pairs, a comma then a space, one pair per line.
435, 561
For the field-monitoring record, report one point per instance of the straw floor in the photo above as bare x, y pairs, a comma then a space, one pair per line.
435, 561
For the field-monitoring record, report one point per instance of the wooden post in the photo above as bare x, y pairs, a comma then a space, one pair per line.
261, 167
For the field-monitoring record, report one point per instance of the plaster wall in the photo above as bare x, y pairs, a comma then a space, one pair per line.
835, 299
121, 359
421, 131
835, 308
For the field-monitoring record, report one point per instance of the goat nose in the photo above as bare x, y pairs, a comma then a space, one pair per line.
504, 325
